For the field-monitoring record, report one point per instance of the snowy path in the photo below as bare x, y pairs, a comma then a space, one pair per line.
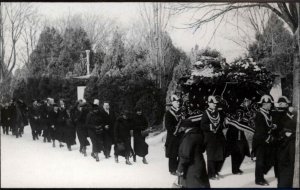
28, 163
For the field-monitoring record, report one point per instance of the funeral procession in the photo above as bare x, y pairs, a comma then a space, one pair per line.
150, 95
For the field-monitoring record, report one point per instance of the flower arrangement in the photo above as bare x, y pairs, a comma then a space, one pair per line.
231, 83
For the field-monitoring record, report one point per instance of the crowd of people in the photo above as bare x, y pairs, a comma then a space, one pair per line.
273, 143
187, 139
58, 122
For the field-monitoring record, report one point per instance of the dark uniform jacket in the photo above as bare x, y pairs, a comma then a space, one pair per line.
236, 138
214, 141
191, 161
263, 130
172, 141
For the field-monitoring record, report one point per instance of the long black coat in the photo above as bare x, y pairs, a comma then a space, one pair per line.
79, 118
139, 144
35, 117
69, 131
215, 142
52, 121
172, 141
60, 129
93, 120
6, 116
286, 150
108, 119
191, 160
46, 110
122, 135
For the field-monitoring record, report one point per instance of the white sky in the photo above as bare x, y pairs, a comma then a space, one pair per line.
126, 14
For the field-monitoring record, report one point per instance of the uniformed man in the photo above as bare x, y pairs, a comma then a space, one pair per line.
286, 121
212, 125
263, 140
236, 140
173, 140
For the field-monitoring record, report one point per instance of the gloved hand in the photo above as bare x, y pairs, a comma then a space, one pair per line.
106, 126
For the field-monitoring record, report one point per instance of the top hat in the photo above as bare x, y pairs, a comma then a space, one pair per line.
266, 99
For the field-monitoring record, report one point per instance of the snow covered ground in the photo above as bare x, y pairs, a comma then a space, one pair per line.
28, 163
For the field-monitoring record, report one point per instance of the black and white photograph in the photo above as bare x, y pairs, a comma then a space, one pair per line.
150, 94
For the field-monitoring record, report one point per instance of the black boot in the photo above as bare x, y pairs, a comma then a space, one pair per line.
84, 151
128, 162
134, 158
97, 157
53, 145
116, 159
144, 160
69, 148
81, 149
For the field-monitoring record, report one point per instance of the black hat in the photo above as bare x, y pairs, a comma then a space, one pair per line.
266, 99
283, 99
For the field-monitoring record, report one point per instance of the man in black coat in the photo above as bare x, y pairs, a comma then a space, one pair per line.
171, 121
192, 168
79, 116
53, 123
95, 130
46, 110
214, 139
107, 118
237, 143
34, 119
263, 140
286, 122
5, 118
122, 137
140, 125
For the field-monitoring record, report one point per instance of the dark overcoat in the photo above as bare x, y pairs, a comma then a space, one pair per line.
60, 128
139, 144
108, 119
191, 160
69, 131
172, 141
6, 116
35, 117
79, 118
122, 135
215, 142
286, 150
93, 120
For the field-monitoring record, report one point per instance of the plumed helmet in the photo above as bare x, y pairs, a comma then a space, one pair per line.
283, 99
266, 99
174, 98
212, 99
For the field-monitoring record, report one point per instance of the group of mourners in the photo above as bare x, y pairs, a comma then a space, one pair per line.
60, 122
273, 142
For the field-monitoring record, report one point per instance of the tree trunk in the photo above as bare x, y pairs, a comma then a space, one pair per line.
296, 86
